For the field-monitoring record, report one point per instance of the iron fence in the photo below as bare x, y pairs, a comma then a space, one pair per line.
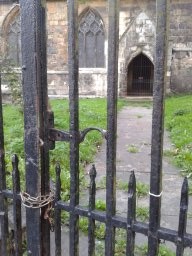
40, 136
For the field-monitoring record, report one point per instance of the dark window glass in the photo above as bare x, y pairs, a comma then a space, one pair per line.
14, 41
91, 41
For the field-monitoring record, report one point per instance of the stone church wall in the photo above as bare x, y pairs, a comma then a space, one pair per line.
137, 35
92, 81
181, 42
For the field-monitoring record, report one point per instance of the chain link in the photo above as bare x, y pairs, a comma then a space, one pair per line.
36, 202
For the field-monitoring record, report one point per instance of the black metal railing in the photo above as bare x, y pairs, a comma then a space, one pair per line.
40, 137
131, 225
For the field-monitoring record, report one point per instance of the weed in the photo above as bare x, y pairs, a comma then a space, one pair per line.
100, 230
142, 213
65, 218
120, 242
99, 247
99, 227
122, 185
120, 246
102, 183
132, 149
100, 205
83, 225
142, 189
139, 116
163, 251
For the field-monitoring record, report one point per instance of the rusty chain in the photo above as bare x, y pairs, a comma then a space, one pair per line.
39, 202
36, 202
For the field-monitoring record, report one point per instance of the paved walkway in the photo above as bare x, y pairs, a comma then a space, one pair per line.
134, 129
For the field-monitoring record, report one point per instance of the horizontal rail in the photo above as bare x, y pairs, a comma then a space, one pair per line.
117, 221
121, 222
9, 194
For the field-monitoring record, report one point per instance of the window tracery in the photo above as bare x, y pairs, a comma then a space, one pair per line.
14, 41
91, 40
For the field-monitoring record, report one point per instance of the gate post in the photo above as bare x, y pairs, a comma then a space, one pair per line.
3, 201
157, 127
33, 39
112, 90
73, 66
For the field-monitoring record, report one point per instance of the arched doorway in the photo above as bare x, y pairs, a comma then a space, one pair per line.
140, 75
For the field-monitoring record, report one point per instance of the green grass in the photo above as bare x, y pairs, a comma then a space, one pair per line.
163, 251
13, 139
178, 120
142, 213
99, 228
120, 246
100, 205
102, 183
132, 149
92, 114
142, 189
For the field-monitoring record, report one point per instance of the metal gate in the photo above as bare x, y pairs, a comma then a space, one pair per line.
40, 136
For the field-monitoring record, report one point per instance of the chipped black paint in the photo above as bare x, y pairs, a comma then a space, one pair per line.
40, 137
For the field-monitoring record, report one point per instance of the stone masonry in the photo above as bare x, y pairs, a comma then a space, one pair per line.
137, 35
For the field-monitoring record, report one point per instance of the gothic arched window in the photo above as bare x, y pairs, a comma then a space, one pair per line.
14, 41
91, 40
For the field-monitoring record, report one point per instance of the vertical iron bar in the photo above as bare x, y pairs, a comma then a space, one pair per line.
16, 208
131, 211
44, 125
91, 227
58, 213
157, 127
33, 73
73, 65
112, 80
182, 218
3, 201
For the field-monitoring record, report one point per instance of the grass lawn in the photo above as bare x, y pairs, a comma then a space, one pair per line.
178, 121
92, 113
